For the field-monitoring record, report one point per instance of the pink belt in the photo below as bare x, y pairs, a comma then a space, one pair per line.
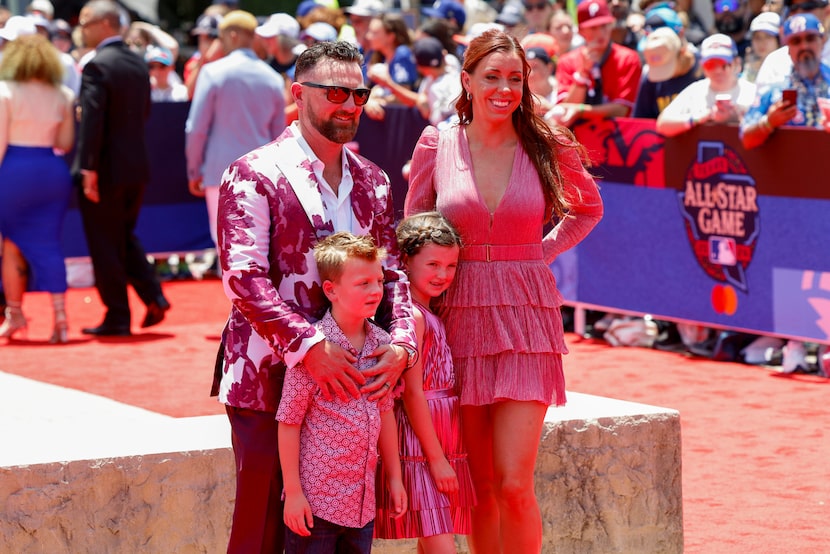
439, 393
501, 252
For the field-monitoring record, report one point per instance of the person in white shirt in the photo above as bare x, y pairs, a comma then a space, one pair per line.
721, 97
163, 88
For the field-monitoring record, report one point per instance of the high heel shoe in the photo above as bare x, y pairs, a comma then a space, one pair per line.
61, 330
14, 322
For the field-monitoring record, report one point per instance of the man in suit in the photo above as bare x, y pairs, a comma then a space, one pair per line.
114, 167
238, 105
276, 203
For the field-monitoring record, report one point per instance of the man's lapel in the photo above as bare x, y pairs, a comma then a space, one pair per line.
363, 194
304, 183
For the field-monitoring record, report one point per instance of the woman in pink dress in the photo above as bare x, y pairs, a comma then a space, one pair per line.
500, 176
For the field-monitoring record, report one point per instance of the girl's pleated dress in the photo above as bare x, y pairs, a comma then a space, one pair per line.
430, 511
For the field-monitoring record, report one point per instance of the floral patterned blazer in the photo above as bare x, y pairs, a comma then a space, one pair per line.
270, 217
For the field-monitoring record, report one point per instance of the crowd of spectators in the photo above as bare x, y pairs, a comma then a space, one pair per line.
683, 63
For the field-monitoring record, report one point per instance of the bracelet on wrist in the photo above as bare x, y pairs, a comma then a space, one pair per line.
766, 125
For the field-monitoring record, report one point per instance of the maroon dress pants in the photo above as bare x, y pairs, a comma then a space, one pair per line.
257, 516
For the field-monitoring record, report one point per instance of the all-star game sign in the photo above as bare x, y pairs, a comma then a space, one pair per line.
719, 203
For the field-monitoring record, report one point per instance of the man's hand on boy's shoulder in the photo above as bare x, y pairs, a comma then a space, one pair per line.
392, 360
334, 371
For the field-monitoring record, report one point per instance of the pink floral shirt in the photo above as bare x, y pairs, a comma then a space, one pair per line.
338, 440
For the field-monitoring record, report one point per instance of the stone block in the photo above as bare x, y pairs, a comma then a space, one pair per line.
608, 480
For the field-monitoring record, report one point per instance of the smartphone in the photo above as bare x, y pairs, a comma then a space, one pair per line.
724, 101
790, 96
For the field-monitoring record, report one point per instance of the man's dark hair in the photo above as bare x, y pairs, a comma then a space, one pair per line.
340, 51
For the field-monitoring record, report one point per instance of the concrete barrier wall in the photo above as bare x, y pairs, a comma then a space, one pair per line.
608, 480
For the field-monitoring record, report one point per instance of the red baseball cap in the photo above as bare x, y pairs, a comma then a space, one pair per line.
593, 13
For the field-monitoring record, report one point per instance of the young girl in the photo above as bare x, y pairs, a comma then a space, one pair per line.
435, 471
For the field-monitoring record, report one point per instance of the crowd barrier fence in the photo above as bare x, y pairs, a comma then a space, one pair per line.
696, 228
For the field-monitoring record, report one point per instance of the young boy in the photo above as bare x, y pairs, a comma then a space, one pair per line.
329, 448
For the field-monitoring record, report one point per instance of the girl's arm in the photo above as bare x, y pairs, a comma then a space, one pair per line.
388, 447
417, 411
297, 513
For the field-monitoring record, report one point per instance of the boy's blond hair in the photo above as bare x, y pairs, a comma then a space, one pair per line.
332, 252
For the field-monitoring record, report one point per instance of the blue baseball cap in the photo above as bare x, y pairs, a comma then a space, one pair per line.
802, 23
663, 16
305, 7
718, 47
721, 6
447, 9
157, 54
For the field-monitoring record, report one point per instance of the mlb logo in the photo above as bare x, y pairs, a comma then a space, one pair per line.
723, 251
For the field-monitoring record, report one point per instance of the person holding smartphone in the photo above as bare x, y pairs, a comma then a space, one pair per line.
721, 97
796, 99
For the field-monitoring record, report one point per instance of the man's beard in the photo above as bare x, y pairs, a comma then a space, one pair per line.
337, 131
728, 25
806, 65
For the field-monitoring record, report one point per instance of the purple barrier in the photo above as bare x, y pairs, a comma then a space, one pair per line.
696, 228
173, 220
731, 238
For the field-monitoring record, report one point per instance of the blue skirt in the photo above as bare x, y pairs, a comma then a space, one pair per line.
34, 196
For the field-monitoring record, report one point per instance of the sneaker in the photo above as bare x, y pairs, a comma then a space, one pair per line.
794, 357
762, 350
823, 360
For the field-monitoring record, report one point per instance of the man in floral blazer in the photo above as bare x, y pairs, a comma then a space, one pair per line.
275, 204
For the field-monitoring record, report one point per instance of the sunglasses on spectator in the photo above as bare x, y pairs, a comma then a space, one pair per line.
807, 6
807, 39
338, 95
539, 6
155, 66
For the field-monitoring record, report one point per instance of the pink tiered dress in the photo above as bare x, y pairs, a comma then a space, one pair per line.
501, 313
430, 512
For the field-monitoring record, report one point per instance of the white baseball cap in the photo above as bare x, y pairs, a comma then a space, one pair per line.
18, 26
279, 24
766, 22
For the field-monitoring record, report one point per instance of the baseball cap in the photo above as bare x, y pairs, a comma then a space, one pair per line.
660, 52
798, 24
43, 6
510, 14
446, 9
305, 7
320, 31
766, 22
39, 20
366, 8
476, 30
428, 52
157, 54
721, 6
17, 26
663, 16
541, 40
537, 53
593, 13
718, 47
207, 25
239, 19
60, 27
279, 24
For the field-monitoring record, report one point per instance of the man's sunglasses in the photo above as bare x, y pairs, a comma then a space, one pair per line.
808, 6
338, 95
539, 6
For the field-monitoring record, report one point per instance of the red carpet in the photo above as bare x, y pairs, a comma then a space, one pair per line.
755, 444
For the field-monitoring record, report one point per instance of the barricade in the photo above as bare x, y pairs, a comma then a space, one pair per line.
696, 228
